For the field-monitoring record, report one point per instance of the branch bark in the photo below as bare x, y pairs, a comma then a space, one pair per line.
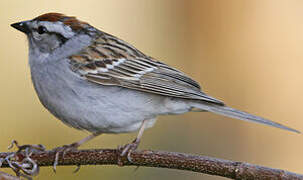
160, 159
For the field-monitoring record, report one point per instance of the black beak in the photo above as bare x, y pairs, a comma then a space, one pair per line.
21, 26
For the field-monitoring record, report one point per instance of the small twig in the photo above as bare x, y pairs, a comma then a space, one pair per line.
172, 160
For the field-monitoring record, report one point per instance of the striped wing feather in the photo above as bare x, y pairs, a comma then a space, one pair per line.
110, 61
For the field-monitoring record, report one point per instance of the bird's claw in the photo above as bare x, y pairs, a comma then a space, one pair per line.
77, 169
63, 150
126, 150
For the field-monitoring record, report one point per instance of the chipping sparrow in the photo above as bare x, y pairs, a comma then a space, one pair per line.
94, 81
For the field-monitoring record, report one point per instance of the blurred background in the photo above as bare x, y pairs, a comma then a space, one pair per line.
247, 53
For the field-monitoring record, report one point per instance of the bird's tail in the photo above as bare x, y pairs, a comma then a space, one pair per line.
233, 113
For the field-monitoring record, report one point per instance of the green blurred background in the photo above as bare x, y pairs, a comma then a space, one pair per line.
247, 53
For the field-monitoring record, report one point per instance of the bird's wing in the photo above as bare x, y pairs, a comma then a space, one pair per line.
110, 61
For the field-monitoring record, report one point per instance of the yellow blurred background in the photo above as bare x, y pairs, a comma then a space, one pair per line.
247, 53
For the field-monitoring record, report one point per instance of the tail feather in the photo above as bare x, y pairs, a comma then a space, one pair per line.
233, 113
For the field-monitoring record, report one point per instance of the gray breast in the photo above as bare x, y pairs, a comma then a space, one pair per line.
85, 105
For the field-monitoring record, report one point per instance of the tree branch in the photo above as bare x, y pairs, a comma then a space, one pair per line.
171, 160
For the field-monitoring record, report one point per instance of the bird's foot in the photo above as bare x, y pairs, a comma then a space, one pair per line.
63, 149
127, 150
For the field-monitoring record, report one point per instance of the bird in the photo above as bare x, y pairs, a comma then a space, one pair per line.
94, 81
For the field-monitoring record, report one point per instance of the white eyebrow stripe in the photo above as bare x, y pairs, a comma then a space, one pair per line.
57, 27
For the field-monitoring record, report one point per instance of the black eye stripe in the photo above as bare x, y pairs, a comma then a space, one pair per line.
61, 37
42, 30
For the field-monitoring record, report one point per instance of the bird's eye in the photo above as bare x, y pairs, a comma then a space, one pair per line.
41, 30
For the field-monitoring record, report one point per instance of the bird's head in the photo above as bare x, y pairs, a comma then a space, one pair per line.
48, 32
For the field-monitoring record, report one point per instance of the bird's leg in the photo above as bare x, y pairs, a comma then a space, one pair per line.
129, 148
73, 146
